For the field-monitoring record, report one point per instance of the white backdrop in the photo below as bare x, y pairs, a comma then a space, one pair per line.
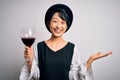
95, 28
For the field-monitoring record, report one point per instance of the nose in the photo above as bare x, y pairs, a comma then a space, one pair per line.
58, 24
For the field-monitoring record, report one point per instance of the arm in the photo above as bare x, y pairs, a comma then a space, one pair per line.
30, 69
83, 71
78, 70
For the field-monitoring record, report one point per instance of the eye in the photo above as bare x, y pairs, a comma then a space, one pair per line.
63, 22
54, 21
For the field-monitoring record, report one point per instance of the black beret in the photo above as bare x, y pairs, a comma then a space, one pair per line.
53, 9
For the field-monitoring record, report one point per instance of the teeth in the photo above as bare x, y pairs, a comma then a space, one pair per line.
58, 30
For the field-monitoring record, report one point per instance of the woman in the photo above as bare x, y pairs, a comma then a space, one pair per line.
56, 58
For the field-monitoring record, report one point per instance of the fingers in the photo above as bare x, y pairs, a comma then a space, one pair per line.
99, 55
28, 48
109, 53
105, 54
28, 53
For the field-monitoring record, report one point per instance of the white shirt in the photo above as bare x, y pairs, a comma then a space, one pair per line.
77, 71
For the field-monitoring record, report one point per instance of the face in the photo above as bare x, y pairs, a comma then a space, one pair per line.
57, 25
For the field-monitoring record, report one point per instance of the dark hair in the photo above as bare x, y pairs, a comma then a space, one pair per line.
64, 13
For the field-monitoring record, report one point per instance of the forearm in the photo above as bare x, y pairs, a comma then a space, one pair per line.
29, 64
88, 63
29, 71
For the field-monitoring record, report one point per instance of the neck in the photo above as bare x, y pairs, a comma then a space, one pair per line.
56, 43
56, 39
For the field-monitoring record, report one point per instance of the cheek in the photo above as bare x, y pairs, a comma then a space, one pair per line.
51, 27
65, 27
52, 24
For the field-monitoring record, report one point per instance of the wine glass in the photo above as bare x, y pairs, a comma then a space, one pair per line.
28, 36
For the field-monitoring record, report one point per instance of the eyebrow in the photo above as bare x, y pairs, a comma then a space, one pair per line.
54, 18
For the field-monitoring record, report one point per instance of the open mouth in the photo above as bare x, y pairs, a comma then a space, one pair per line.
58, 30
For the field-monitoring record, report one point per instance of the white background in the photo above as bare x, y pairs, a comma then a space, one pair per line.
96, 27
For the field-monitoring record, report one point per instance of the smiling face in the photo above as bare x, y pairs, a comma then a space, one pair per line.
57, 25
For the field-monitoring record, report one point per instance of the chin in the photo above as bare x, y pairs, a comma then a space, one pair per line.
57, 36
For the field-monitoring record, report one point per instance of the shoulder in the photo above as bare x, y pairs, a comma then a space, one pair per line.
40, 43
73, 44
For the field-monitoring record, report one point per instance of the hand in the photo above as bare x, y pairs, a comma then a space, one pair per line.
28, 54
96, 56
99, 55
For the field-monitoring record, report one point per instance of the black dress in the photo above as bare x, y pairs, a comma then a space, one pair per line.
54, 65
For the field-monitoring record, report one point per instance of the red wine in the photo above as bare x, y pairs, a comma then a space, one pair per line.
28, 41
